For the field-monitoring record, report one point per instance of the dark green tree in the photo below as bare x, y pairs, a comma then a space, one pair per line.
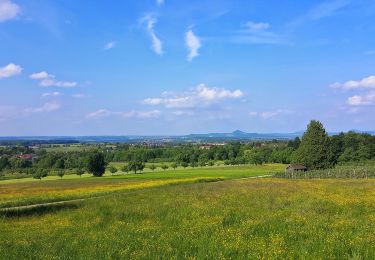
136, 166
152, 167
96, 164
112, 169
164, 167
40, 174
4, 162
79, 172
315, 150
61, 173
60, 164
174, 166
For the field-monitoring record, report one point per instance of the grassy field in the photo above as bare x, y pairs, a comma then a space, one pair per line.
30, 191
243, 218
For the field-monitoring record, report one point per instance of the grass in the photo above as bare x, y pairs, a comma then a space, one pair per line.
30, 191
352, 172
242, 219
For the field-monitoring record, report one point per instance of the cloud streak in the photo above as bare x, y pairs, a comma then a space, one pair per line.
156, 44
52, 94
270, 114
257, 33
47, 107
193, 44
104, 113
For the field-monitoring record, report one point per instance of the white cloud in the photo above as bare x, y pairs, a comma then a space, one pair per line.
47, 107
160, 2
8, 10
257, 33
10, 70
362, 100
200, 96
48, 80
52, 94
110, 45
193, 44
103, 113
365, 83
55, 83
256, 26
270, 114
182, 113
79, 95
157, 45
41, 75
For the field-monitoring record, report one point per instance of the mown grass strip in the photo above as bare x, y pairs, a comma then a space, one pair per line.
45, 206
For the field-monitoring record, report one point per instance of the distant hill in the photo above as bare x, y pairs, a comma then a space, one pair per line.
237, 135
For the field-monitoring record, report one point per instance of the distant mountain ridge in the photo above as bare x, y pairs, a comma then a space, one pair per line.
236, 135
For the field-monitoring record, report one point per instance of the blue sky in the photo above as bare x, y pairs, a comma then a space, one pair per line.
149, 67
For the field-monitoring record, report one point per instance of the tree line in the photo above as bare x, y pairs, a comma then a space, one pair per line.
316, 150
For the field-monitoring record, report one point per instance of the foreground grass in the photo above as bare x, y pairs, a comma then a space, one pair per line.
19, 193
253, 218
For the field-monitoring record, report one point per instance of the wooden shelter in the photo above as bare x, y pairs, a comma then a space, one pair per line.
296, 168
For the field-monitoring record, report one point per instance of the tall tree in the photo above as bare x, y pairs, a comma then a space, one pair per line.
96, 164
315, 150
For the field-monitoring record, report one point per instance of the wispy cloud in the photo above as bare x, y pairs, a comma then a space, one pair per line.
10, 70
270, 114
256, 26
110, 45
79, 95
103, 113
48, 80
160, 2
193, 44
8, 10
47, 107
257, 33
322, 10
156, 44
52, 94
200, 96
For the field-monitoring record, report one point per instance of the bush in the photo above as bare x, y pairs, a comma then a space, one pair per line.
112, 169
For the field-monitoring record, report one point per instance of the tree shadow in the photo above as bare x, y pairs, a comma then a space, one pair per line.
37, 211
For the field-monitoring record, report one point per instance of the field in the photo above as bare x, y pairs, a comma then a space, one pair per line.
234, 218
30, 191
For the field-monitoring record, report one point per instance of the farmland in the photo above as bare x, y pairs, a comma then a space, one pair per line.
235, 218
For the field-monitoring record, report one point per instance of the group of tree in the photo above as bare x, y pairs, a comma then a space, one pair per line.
316, 149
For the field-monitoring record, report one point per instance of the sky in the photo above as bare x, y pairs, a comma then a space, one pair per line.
170, 67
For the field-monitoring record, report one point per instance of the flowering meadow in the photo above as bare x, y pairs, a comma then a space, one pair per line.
263, 218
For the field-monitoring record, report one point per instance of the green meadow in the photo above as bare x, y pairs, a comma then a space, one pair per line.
208, 213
